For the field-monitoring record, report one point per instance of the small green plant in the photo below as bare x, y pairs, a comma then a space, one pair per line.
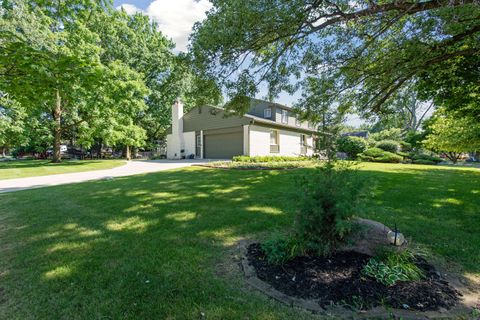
390, 267
279, 248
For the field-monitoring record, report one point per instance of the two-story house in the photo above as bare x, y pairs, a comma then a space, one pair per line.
266, 129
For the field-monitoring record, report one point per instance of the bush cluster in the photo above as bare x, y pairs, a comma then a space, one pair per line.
388, 145
279, 248
352, 146
379, 155
422, 158
264, 159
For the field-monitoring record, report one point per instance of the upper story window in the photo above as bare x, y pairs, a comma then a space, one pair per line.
298, 123
284, 116
267, 113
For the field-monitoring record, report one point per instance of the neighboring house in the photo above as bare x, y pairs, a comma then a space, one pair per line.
266, 129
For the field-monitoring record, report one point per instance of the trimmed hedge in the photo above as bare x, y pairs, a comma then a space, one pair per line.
388, 145
264, 159
422, 158
352, 146
379, 155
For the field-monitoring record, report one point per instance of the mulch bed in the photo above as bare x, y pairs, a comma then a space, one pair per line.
337, 280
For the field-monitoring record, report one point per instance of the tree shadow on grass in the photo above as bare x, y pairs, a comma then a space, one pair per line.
145, 246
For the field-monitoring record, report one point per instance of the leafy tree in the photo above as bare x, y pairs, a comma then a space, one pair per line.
137, 42
361, 53
12, 117
454, 85
50, 62
388, 134
452, 136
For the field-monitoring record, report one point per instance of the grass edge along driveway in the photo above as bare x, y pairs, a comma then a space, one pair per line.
34, 168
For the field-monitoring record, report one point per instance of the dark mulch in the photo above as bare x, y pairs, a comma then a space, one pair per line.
337, 280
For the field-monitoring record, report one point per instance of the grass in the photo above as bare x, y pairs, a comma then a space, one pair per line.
162, 245
32, 168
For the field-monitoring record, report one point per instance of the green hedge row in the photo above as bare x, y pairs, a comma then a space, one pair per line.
264, 159
379, 155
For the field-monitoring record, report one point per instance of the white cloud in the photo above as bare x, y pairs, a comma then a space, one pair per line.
129, 8
175, 18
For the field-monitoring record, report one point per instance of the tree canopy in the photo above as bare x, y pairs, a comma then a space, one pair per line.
83, 68
452, 135
360, 53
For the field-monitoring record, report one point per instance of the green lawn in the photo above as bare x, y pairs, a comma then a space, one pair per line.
33, 168
162, 245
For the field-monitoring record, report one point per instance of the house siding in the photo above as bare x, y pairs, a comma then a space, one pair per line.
289, 142
210, 118
185, 141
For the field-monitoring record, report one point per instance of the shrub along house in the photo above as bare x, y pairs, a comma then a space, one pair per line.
267, 129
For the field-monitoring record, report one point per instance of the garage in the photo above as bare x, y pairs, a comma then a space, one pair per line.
223, 144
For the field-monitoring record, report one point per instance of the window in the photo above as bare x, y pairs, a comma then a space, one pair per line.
284, 116
303, 140
298, 123
274, 137
267, 113
303, 144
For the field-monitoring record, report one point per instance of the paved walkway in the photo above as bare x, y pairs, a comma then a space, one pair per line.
129, 169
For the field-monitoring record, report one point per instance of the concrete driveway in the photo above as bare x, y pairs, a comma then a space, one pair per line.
129, 169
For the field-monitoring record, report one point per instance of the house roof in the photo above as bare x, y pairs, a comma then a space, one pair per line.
272, 123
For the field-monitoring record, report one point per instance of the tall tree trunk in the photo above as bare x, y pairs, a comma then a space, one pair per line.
57, 129
128, 155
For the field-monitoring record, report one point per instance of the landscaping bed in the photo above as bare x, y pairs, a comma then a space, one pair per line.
338, 280
272, 165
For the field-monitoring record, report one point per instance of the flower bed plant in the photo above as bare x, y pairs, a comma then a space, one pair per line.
263, 165
264, 159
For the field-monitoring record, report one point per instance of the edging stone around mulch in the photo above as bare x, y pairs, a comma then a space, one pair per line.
342, 312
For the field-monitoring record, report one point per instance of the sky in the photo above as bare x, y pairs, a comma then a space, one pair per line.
176, 18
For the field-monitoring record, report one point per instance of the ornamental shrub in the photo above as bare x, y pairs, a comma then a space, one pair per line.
405, 146
379, 155
388, 145
279, 248
264, 159
422, 158
329, 197
352, 146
